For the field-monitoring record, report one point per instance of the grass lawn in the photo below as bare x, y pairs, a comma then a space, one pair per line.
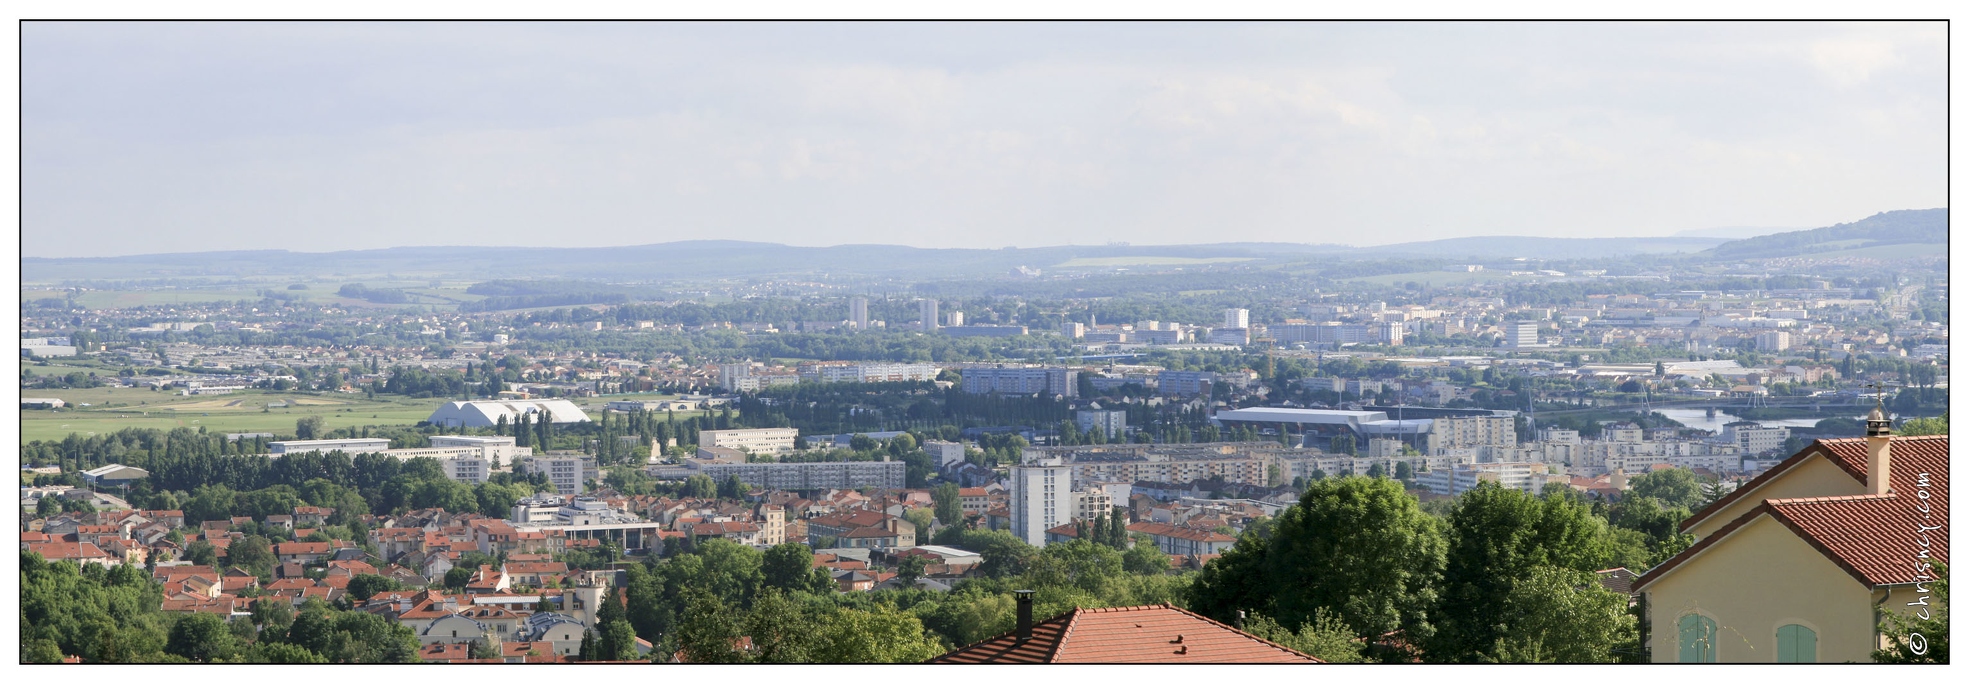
113, 409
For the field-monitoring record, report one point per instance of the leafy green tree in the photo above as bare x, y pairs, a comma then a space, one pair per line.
41, 651
1379, 557
732, 488
910, 568
47, 507
457, 577
879, 635
363, 586
921, 518
709, 630
251, 553
201, 638
618, 641
310, 427
1557, 615
781, 631
1925, 426
1676, 487
1145, 559
1325, 638
1496, 536
949, 503
277, 653
700, 486
790, 567
1921, 634
274, 616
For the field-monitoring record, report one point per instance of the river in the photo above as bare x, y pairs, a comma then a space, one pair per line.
1697, 418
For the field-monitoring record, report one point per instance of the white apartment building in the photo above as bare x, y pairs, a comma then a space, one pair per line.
928, 312
497, 449
1237, 318
363, 445
944, 453
1521, 334
1110, 422
1022, 380
1089, 502
1042, 498
756, 440
567, 472
1473, 431
869, 372
1462, 477
1753, 438
858, 312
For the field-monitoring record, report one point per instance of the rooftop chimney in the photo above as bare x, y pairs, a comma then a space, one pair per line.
1024, 597
1879, 433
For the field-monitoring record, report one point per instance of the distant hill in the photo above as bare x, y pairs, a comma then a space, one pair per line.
1907, 226
1735, 232
1507, 247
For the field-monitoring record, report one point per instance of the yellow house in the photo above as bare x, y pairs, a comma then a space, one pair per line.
1798, 564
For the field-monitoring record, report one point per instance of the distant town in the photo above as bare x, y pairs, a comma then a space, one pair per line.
310, 469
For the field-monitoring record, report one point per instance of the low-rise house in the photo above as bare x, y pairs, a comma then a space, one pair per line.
1160, 634
302, 552
1184, 541
1799, 563
312, 516
562, 632
81, 553
534, 574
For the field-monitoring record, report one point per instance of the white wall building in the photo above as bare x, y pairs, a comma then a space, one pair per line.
944, 453
363, 445
1237, 318
486, 413
755, 440
1042, 498
927, 310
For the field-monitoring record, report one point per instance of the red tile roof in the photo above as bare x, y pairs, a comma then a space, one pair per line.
1848, 454
54, 551
1876, 539
1139, 634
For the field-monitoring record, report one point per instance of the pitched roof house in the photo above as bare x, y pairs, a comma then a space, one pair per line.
1160, 634
1795, 565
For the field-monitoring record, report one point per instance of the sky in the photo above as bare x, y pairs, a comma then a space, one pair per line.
184, 137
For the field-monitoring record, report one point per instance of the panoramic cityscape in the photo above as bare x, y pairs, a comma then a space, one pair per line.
268, 425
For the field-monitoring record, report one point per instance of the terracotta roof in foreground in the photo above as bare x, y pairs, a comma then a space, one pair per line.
1876, 539
1138, 634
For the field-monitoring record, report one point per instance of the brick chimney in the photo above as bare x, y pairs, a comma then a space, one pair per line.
1879, 432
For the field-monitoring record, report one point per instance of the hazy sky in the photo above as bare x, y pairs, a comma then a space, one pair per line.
191, 137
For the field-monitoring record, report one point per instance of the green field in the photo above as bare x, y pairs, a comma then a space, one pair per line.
1432, 278
1111, 262
113, 409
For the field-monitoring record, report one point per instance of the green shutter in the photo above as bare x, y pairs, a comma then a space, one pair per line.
1698, 639
1797, 644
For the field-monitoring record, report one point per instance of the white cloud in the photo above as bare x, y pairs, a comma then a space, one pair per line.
305, 137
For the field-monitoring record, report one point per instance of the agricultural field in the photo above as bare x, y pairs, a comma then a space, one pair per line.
113, 409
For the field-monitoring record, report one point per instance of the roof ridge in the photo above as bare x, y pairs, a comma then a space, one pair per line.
1240, 632
1827, 499
1066, 632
